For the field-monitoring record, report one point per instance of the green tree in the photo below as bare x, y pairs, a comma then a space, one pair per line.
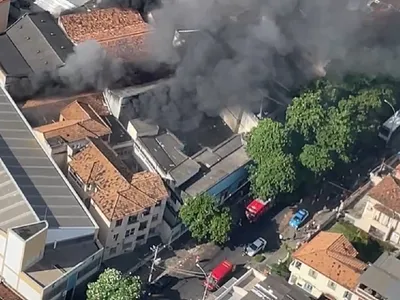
205, 220
316, 159
274, 169
113, 285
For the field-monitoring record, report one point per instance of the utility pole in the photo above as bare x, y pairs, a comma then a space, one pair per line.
155, 261
205, 275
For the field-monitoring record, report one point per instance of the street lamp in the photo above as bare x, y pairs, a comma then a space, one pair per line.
205, 275
391, 106
156, 260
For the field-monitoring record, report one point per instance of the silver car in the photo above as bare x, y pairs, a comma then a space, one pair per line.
255, 247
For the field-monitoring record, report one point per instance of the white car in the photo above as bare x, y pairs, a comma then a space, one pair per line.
255, 247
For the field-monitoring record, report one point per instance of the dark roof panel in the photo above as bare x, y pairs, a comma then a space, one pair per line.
11, 61
35, 44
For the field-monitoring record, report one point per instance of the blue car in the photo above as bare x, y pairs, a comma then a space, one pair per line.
298, 218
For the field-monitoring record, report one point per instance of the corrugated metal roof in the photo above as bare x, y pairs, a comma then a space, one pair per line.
37, 177
14, 208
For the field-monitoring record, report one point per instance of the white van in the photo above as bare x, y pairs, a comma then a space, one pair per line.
389, 127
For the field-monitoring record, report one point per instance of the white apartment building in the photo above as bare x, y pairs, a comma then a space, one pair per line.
128, 207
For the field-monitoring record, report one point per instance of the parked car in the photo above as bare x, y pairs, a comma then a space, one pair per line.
255, 247
298, 218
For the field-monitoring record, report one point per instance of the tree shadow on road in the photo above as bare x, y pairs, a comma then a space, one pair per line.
265, 227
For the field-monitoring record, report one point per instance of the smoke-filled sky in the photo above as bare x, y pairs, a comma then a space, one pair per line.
231, 61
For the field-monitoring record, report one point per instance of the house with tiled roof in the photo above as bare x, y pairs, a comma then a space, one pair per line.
122, 32
378, 210
327, 266
77, 121
128, 206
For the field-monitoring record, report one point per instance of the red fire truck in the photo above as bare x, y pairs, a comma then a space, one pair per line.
257, 208
219, 275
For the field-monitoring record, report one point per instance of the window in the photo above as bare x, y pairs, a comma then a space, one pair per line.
127, 245
132, 219
118, 223
140, 237
312, 273
158, 203
152, 230
376, 215
347, 295
297, 264
146, 212
308, 287
127, 233
384, 220
331, 285
154, 218
143, 225
113, 251
116, 237
132, 231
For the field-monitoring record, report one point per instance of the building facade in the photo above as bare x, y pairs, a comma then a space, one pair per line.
378, 211
128, 206
327, 266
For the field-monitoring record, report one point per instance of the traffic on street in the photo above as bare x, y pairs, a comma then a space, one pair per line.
251, 236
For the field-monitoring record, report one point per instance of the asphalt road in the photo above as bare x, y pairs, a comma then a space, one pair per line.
189, 287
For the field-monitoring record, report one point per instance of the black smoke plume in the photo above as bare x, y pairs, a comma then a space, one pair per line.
243, 52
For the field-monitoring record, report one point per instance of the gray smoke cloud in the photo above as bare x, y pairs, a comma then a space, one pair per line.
88, 68
244, 52
248, 50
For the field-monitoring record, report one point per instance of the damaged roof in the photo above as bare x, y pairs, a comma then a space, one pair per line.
33, 44
121, 31
118, 191
77, 122
44, 111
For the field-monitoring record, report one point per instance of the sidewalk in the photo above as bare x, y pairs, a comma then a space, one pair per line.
183, 263
292, 239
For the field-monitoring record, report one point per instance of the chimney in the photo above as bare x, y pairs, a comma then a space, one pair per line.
4, 11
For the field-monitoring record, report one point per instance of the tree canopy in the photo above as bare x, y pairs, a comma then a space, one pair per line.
325, 126
274, 169
332, 119
205, 220
113, 285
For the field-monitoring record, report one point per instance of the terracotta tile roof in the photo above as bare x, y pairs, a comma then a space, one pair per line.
78, 121
80, 111
332, 255
119, 193
121, 31
5, 292
96, 101
387, 192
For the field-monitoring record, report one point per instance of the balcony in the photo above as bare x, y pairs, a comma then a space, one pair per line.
369, 293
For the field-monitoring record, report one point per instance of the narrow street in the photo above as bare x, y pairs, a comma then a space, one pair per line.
189, 278
188, 284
